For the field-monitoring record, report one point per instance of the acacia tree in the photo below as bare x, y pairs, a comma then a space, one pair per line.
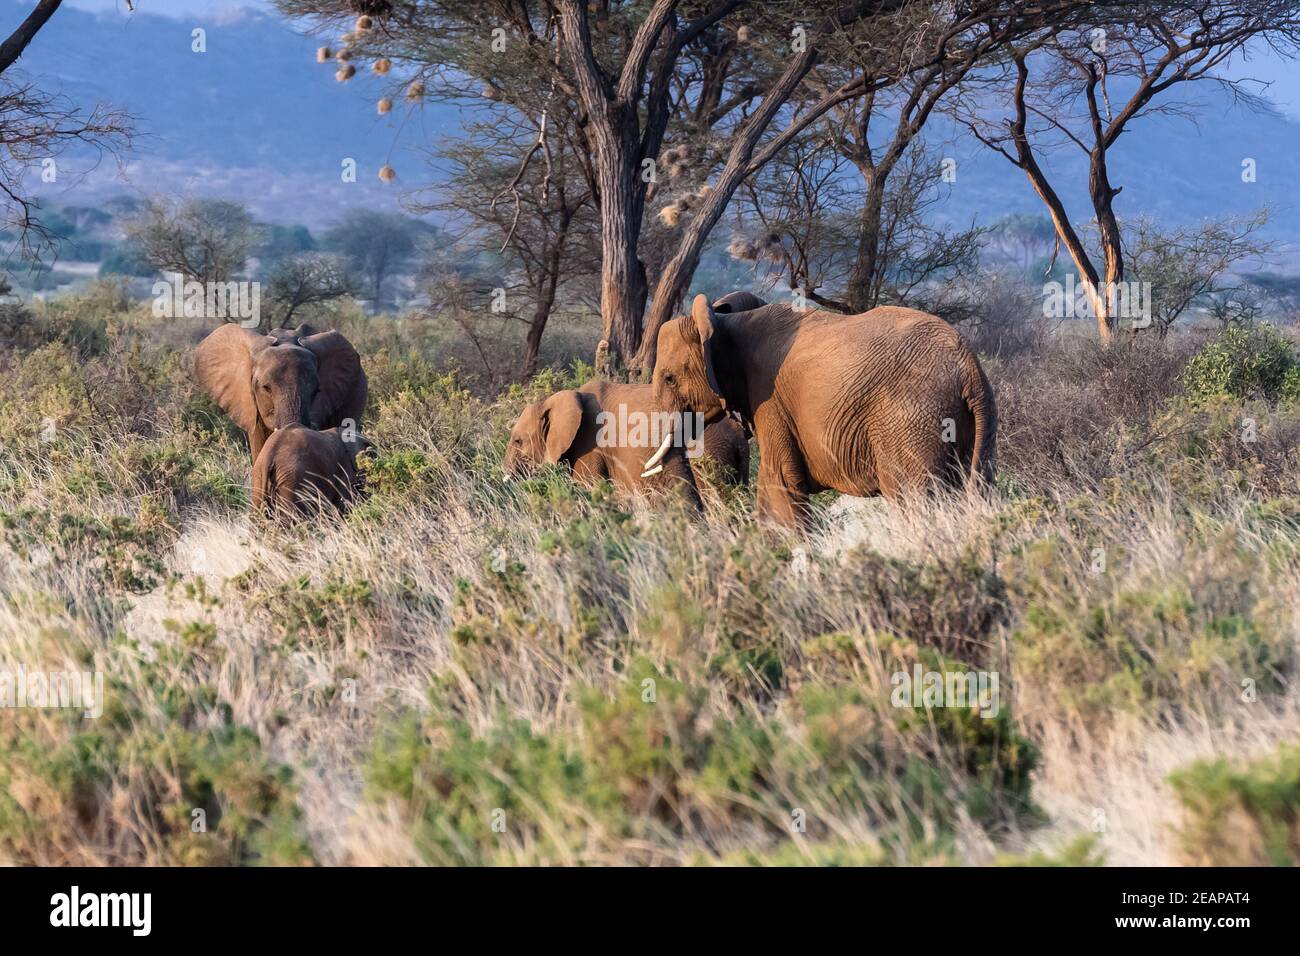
1084, 86
305, 282
376, 246
869, 47
207, 240
810, 231
1193, 264
627, 73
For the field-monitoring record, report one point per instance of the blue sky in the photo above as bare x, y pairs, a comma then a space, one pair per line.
1281, 74
175, 8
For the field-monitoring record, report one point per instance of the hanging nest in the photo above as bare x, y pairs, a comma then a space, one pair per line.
676, 161
742, 34
324, 55
415, 91
744, 249
382, 66
672, 213
387, 173
385, 106
363, 24
372, 8
345, 73
492, 92
343, 55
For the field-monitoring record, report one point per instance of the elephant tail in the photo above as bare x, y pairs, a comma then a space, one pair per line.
978, 395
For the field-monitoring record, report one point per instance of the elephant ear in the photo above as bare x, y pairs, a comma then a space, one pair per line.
223, 365
561, 417
703, 323
343, 387
738, 302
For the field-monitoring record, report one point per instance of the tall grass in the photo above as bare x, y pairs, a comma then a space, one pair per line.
466, 671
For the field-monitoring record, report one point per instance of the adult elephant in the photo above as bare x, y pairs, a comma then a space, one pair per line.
885, 402
264, 382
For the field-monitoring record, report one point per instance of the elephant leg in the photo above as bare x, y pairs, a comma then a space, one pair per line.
782, 481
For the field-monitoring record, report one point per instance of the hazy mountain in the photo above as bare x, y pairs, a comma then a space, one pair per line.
255, 117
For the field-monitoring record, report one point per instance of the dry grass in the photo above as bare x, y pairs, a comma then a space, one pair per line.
457, 673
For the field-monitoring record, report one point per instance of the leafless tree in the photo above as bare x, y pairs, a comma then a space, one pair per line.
536, 218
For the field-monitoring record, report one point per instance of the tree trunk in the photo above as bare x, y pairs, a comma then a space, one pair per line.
13, 47
623, 286
741, 163
1065, 232
863, 290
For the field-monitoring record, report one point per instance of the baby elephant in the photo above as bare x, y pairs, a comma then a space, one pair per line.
606, 430
302, 471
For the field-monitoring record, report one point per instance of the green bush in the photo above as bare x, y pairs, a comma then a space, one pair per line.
1244, 815
162, 776
652, 775
1242, 362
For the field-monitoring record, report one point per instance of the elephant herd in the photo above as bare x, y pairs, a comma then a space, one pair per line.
888, 402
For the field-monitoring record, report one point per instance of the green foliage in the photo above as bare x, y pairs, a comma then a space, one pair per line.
1256, 362
645, 767
1111, 645
301, 611
120, 551
1241, 814
162, 775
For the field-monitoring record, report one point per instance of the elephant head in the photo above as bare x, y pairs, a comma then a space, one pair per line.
686, 376
544, 433
738, 302
265, 382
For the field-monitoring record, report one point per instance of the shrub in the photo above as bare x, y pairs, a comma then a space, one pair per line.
1257, 362
161, 777
655, 774
1241, 815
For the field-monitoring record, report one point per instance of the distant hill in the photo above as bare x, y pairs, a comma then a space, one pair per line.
256, 118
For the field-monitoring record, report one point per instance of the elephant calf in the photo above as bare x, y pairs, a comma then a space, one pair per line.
605, 430
303, 471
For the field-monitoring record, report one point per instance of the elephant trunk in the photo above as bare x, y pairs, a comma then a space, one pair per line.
292, 408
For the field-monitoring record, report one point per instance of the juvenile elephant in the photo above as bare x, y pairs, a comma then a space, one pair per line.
603, 430
301, 470
264, 382
879, 403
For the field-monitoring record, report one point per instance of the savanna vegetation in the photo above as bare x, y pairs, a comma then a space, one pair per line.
470, 671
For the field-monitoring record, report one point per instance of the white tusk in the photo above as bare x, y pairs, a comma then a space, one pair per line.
658, 456
652, 472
